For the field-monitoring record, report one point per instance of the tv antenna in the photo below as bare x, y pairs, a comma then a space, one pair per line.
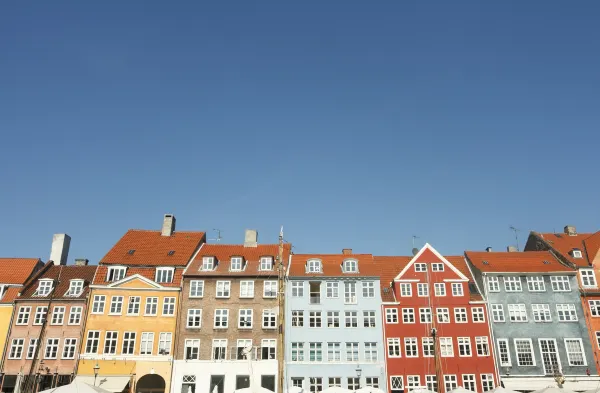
415, 250
219, 237
516, 231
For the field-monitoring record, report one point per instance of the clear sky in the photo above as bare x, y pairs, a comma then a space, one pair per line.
352, 123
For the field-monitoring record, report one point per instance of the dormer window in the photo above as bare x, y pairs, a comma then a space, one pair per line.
236, 264
576, 253
44, 288
208, 263
266, 263
115, 273
75, 288
314, 266
164, 274
350, 266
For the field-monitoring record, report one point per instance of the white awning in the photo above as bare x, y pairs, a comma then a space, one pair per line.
114, 384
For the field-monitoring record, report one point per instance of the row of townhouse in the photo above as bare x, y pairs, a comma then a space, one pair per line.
164, 311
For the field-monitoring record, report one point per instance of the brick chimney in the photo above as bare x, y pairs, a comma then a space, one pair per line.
81, 262
570, 230
251, 238
347, 251
511, 249
60, 248
168, 226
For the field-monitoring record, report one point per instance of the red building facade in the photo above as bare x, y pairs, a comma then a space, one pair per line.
435, 325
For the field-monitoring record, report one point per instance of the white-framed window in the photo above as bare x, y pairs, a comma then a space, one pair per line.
98, 304
460, 315
247, 289
133, 307
431, 382
541, 312
368, 288
517, 313
332, 289
353, 383
51, 351
44, 287
313, 266
412, 382
408, 315
595, 308
549, 352
575, 352
411, 347
588, 279
482, 345
420, 267
298, 318
270, 289
478, 314
268, 349
219, 349
188, 384
524, 352
372, 382
333, 381
396, 383
40, 315
147, 343
405, 289
297, 352
116, 305
128, 343
315, 319
503, 352
194, 318
576, 253
536, 284
566, 312
493, 284
560, 283
439, 289
393, 345
334, 352
369, 320
223, 289
370, 352
58, 315
31, 348
464, 346
316, 384
92, 342
498, 312
111, 339
450, 382
266, 263
457, 289
196, 288
350, 292
75, 288
351, 352
221, 318
23, 315
315, 352
151, 306
298, 382
236, 264
192, 349
427, 343
437, 267
446, 348
468, 382
422, 289
164, 274
391, 315
487, 382
115, 273
512, 284
269, 319
425, 315
208, 263
351, 319
297, 288
443, 315
165, 340
16, 348
245, 318
350, 266
168, 306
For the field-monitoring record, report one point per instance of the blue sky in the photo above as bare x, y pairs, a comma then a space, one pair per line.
353, 124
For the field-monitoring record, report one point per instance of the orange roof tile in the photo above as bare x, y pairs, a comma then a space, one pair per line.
389, 267
17, 270
332, 265
460, 263
251, 257
592, 246
147, 272
517, 262
64, 274
564, 243
10, 294
150, 248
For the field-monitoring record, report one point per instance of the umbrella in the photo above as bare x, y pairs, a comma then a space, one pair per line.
76, 387
336, 389
499, 389
460, 389
369, 389
422, 390
255, 390
597, 390
294, 389
553, 389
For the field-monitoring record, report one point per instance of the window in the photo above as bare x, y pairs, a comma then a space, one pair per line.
297, 318
315, 352
393, 345
352, 352
246, 289
412, 382
333, 381
314, 319
297, 352
266, 263
503, 352
595, 308
498, 312
23, 316
40, 315
549, 353
512, 284
450, 382
460, 315
372, 382
482, 345
128, 343
370, 352
75, 288
315, 292
58, 315
298, 382
353, 383
115, 273
44, 288
270, 289
349, 292
314, 266
411, 349
560, 283
576, 253
443, 315
391, 315
464, 346
219, 349
350, 266
457, 289
223, 289
437, 267
332, 290
208, 263
98, 304
351, 319
487, 382
31, 348
221, 318
334, 353
164, 343
468, 381
194, 318
164, 274
267, 349
196, 288
297, 288
405, 290
243, 349
420, 267
517, 313
440, 289
566, 312
493, 284
245, 317
110, 343
333, 319
446, 349
133, 308
269, 319
147, 343
524, 351
51, 348
236, 264
422, 290
427, 343
116, 305
575, 354
587, 278
188, 384
541, 312
408, 315
316, 384
477, 313
151, 306
396, 383
93, 339
16, 348
192, 349
536, 284
431, 382
425, 315
168, 306
369, 319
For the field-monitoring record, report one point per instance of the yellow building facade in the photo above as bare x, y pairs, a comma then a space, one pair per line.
6, 311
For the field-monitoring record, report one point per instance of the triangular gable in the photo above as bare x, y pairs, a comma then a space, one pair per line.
427, 252
135, 281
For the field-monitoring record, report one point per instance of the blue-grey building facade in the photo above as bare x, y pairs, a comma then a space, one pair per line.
333, 329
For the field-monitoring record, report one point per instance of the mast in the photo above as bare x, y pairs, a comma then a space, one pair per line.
434, 335
281, 303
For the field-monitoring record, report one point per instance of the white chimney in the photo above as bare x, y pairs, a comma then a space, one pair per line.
511, 249
251, 238
168, 225
488, 249
60, 248
81, 261
570, 230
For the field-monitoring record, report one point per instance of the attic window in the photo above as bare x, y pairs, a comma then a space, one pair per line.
170, 253
313, 266
266, 263
236, 264
350, 266
164, 274
485, 262
44, 288
115, 273
130, 252
576, 253
75, 288
208, 263
546, 262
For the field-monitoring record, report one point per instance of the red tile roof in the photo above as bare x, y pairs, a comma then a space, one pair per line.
10, 294
517, 262
17, 270
588, 243
146, 272
251, 257
64, 274
592, 246
389, 267
460, 263
153, 249
332, 265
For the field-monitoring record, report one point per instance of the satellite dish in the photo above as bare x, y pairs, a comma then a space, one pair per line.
415, 251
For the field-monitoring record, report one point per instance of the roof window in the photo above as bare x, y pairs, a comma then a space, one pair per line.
170, 253
485, 262
314, 266
131, 252
75, 288
164, 274
116, 273
44, 287
208, 263
350, 266
266, 263
237, 264
576, 253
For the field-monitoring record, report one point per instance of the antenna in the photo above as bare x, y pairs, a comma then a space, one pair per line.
515, 230
415, 250
219, 237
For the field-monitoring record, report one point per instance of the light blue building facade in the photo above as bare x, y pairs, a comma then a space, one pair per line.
333, 329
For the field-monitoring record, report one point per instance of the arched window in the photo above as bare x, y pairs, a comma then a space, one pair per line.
314, 266
350, 266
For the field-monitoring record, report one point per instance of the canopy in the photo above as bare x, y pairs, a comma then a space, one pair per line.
500, 389
255, 390
294, 389
553, 389
76, 387
422, 390
113, 384
368, 389
460, 389
336, 389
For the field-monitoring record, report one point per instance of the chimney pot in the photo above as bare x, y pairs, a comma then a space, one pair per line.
511, 249
488, 249
81, 262
570, 230
251, 238
168, 225
347, 251
60, 248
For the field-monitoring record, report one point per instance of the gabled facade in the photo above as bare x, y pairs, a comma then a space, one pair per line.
435, 323
228, 323
131, 322
333, 334
540, 334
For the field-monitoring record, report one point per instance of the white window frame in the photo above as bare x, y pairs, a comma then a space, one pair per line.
541, 313
45, 286
194, 349
152, 303
266, 263
594, 308
567, 309
223, 289
425, 315
146, 340
394, 347
501, 352
422, 290
408, 315
396, 383
493, 284
457, 289
350, 266
23, 316
234, 262
519, 310
194, 318
196, 289
111, 339
58, 315
405, 289
165, 343
133, 305
52, 344
577, 254
248, 315
41, 313
542, 352
368, 289
117, 303
391, 314
442, 312
246, 289
297, 288
437, 267
208, 263
100, 301
570, 354
482, 346
224, 318
115, 273
350, 296
498, 312
560, 283
164, 275
513, 284
461, 315
314, 266
93, 336
272, 292
466, 343
536, 284
411, 347
588, 278
439, 289
420, 267
16, 348
332, 289
532, 352
168, 308
446, 347
75, 288
478, 314
487, 382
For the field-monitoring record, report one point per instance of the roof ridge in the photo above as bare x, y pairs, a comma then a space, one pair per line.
158, 231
